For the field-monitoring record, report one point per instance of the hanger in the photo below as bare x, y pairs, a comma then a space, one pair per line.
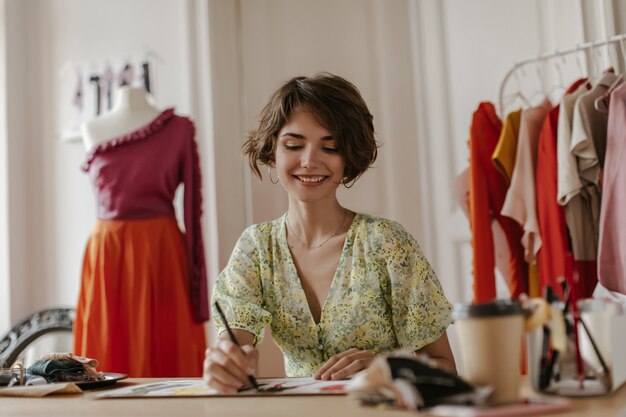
622, 50
541, 94
518, 66
581, 68
560, 86
509, 100
601, 104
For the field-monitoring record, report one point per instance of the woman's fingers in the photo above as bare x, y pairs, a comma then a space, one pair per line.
331, 362
227, 366
253, 357
221, 359
219, 378
352, 368
235, 354
345, 364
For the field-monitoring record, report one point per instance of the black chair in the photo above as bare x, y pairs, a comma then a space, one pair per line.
55, 323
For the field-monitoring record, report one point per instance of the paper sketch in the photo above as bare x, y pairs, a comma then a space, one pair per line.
197, 388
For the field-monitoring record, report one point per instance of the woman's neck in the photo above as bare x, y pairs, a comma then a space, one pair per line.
314, 220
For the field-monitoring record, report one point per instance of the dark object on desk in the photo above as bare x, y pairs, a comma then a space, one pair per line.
109, 379
11, 376
433, 384
411, 382
5, 378
59, 371
23, 334
233, 339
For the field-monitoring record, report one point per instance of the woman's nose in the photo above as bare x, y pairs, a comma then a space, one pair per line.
309, 158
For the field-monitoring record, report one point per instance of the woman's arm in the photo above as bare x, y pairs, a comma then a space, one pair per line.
441, 353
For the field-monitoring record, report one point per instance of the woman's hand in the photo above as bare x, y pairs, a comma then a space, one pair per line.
345, 365
228, 366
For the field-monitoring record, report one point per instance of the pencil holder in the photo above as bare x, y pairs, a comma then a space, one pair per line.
578, 355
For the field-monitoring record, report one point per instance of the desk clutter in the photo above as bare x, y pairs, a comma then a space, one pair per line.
402, 382
59, 373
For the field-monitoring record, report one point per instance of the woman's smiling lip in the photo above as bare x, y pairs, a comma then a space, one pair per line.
310, 179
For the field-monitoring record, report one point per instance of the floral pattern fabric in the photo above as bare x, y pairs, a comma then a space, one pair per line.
384, 295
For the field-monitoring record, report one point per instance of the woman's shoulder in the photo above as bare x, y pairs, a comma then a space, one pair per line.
263, 232
379, 226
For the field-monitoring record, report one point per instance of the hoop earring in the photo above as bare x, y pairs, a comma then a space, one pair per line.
345, 184
269, 172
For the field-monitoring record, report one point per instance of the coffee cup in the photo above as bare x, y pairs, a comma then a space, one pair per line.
490, 338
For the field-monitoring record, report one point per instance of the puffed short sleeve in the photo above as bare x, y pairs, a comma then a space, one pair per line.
420, 309
238, 289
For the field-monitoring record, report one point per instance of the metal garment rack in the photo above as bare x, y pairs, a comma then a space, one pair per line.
558, 53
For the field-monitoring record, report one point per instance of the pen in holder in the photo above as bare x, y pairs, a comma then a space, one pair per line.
573, 355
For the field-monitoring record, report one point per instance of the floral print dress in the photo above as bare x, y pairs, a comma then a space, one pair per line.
384, 295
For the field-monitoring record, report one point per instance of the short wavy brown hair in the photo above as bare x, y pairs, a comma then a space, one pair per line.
336, 104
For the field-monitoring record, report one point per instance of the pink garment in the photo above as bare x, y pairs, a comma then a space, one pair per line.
136, 176
612, 241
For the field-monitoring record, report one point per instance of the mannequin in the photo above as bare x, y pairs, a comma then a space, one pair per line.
132, 110
143, 297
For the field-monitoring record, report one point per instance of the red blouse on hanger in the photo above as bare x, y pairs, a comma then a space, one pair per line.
487, 192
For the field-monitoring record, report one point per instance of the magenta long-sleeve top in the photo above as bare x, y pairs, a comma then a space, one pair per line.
136, 176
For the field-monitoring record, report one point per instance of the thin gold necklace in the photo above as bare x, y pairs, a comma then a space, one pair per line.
345, 214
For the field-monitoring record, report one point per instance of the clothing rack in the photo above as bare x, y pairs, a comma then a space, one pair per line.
547, 56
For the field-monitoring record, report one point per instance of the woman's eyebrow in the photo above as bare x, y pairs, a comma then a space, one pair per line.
293, 135
299, 136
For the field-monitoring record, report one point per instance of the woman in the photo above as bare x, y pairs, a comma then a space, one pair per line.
336, 286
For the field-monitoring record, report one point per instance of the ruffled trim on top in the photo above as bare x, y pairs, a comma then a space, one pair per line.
198, 283
139, 134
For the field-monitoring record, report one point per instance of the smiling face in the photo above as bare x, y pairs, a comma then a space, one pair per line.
308, 164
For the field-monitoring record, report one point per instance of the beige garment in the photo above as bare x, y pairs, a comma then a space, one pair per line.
589, 127
520, 203
568, 181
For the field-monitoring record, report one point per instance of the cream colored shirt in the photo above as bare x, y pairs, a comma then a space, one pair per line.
520, 203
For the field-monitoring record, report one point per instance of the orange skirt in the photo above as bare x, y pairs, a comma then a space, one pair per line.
134, 315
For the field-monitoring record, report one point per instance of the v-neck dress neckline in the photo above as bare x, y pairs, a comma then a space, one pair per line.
297, 280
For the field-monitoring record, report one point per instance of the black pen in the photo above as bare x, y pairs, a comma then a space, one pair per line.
233, 339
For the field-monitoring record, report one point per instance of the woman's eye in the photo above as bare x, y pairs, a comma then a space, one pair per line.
330, 150
292, 147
